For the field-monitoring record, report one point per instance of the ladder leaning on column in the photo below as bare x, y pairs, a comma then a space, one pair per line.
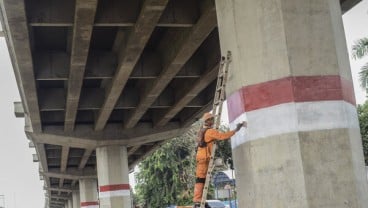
216, 111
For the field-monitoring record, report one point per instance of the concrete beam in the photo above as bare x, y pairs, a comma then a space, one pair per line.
59, 189
189, 120
133, 149
40, 150
14, 22
101, 65
87, 153
147, 153
63, 163
85, 11
175, 57
72, 175
149, 16
18, 110
85, 137
53, 99
188, 95
59, 197
114, 14
64, 158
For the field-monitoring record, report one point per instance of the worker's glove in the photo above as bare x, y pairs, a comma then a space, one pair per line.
238, 126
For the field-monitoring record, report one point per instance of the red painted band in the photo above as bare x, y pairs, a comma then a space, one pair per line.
289, 89
115, 187
88, 203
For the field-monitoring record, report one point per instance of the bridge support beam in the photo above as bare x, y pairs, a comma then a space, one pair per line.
88, 193
290, 77
113, 177
76, 199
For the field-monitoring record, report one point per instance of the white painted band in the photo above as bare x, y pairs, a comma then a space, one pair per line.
294, 117
108, 194
90, 206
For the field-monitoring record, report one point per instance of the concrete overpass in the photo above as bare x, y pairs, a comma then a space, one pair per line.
105, 74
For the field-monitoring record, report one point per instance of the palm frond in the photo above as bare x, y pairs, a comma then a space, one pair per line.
363, 76
360, 48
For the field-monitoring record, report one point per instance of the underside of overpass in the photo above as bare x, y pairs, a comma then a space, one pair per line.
95, 73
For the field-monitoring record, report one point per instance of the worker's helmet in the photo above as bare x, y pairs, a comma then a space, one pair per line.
207, 116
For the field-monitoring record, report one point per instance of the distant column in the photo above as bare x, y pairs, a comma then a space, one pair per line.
70, 203
88, 193
113, 177
290, 78
76, 199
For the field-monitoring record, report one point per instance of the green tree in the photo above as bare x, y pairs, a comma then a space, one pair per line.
168, 175
363, 122
360, 50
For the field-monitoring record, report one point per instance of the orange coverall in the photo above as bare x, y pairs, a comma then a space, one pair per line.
203, 158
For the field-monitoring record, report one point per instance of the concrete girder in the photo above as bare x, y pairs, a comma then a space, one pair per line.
177, 14
128, 57
101, 65
188, 95
71, 174
84, 136
14, 21
53, 99
63, 163
85, 11
87, 153
175, 57
133, 149
40, 150
59, 197
59, 189
189, 120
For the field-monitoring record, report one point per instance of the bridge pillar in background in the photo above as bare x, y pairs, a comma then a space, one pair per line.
76, 199
70, 203
113, 177
88, 193
290, 77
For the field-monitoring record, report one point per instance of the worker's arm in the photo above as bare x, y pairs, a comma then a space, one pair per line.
213, 134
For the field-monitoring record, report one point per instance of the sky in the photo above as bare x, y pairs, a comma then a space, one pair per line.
19, 178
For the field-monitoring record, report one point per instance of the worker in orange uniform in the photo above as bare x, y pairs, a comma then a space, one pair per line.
206, 135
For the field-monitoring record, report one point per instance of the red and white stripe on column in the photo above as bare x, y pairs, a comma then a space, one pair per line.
292, 104
93, 204
115, 190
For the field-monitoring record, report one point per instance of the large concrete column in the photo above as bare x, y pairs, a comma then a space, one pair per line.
70, 203
76, 199
88, 193
113, 177
290, 77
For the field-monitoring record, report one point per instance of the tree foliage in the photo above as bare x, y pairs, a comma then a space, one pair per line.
363, 122
168, 175
360, 50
